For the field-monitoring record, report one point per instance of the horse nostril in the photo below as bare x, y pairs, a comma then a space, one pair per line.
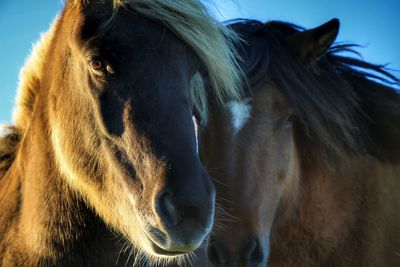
217, 254
168, 210
256, 252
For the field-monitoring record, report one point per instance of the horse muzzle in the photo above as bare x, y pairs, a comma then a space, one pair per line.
254, 252
185, 218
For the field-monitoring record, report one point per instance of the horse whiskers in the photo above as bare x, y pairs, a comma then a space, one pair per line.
119, 253
218, 227
215, 180
216, 169
223, 218
220, 211
129, 256
142, 259
137, 260
119, 238
204, 245
190, 257
225, 200
123, 250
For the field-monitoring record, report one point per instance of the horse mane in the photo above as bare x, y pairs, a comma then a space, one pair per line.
344, 104
28, 88
211, 40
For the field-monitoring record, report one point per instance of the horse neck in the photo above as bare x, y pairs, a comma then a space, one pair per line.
41, 217
341, 210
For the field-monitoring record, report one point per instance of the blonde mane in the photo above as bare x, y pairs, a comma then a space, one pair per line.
29, 80
211, 40
28, 88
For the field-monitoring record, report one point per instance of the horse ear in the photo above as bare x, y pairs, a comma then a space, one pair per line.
310, 44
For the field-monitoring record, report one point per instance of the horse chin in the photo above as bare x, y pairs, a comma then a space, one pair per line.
160, 252
162, 246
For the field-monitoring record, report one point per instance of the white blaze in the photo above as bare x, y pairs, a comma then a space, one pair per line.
240, 113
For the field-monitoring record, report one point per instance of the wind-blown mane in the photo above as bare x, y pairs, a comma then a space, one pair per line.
29, 86
211, 40
344, 104
190, 20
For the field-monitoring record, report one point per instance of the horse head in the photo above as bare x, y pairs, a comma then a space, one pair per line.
252, 154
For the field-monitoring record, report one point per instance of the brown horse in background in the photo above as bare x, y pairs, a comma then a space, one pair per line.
307, 164
101, 167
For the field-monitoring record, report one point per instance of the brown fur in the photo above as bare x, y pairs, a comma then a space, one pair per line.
276, 177
313, 214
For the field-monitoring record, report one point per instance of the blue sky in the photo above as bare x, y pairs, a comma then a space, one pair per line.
373, 24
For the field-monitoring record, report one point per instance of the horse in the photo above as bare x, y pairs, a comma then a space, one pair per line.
100, 167
307, 164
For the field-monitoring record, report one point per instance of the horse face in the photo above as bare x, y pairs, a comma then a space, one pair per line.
255, 175
126, 138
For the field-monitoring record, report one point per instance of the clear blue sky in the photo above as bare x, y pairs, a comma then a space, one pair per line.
372, 23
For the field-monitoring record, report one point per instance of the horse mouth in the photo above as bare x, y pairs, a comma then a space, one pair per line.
163, 252
155, 237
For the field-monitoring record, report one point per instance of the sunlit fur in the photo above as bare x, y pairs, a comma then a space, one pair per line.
29, 85
209, 39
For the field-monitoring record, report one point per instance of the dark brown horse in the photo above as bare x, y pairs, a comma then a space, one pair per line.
101, 166
307, 165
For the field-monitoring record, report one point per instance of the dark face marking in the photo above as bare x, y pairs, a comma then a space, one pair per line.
138, 77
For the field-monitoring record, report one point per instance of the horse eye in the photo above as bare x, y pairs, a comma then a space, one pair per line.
96, 64
100, 67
